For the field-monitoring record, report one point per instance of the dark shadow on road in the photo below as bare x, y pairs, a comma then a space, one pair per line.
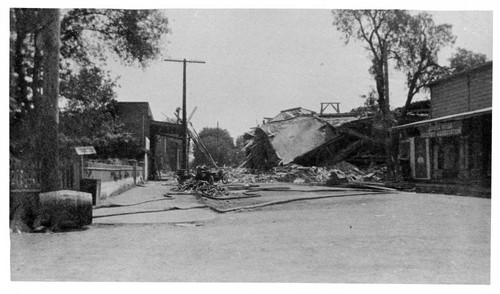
151, 211
133, 204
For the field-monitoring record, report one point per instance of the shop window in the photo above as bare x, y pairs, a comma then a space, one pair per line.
421, 158
404, 159
440, 153
475, 144
404, 150
448, 155
487, 144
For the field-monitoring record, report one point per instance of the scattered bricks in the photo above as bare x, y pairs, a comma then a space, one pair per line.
369, 176
336, 178
65, 209
293, 173
299, 181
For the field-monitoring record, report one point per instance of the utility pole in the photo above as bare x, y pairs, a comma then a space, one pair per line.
185, 143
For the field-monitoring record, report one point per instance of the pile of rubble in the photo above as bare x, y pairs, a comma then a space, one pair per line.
299, 174
201, 187
245, 176
375, 174
341, 172
303, 137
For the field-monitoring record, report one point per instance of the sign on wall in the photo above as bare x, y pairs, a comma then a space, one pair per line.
443, 129
85, 150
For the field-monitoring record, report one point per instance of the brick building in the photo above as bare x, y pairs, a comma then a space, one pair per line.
160, 139
454, 145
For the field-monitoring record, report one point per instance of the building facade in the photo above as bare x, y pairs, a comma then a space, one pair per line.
454, 145
160, 139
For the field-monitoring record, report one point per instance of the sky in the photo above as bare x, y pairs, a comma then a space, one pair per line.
262, 61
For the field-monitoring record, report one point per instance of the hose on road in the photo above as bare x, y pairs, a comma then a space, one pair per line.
284, 202
241, 208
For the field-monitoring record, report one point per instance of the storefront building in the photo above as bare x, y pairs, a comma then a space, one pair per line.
454, 146
160, 139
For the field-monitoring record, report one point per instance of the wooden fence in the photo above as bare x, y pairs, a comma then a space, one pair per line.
25, 176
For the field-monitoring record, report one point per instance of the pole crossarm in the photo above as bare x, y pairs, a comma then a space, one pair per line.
184, 60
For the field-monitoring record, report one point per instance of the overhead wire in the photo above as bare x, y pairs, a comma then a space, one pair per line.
238, 67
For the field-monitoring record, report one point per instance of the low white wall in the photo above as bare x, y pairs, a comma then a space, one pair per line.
115, 179
115, 187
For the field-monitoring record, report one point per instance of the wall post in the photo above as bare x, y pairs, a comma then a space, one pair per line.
133, 162
142, 164
77, 174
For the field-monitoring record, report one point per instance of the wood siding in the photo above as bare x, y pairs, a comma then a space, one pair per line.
464, 92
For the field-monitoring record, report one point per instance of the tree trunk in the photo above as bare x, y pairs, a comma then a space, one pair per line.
379, 82
409, 99
48, 112
387, 121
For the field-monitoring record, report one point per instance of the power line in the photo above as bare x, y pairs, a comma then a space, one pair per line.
279, 72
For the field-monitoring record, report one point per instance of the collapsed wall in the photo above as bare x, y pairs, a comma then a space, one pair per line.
260, 154
310, 140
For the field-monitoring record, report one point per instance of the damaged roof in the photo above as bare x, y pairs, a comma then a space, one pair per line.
296, 136
337, 121
291, 113
297, 131
304, 135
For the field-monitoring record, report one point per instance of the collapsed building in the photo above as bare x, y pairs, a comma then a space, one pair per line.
306, 138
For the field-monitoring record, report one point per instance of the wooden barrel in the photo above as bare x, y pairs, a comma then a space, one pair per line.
66, 209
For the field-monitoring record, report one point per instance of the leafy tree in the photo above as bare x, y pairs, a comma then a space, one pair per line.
89, 117
34, 47
380, 32
239, 152
369, 107
413, 42
416, 54
416, 111
219, 144
90, 88
134, 36
88, 38
464, 59
25, 34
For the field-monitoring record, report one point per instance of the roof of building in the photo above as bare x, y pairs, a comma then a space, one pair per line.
337, 121
166, 128
138, 104
296, 136
291, 113
458, 116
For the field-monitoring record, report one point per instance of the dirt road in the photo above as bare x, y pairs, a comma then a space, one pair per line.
382, 238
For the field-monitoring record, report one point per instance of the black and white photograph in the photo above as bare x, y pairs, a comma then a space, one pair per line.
253, 145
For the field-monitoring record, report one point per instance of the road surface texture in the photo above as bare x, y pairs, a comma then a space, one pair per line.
141, 235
